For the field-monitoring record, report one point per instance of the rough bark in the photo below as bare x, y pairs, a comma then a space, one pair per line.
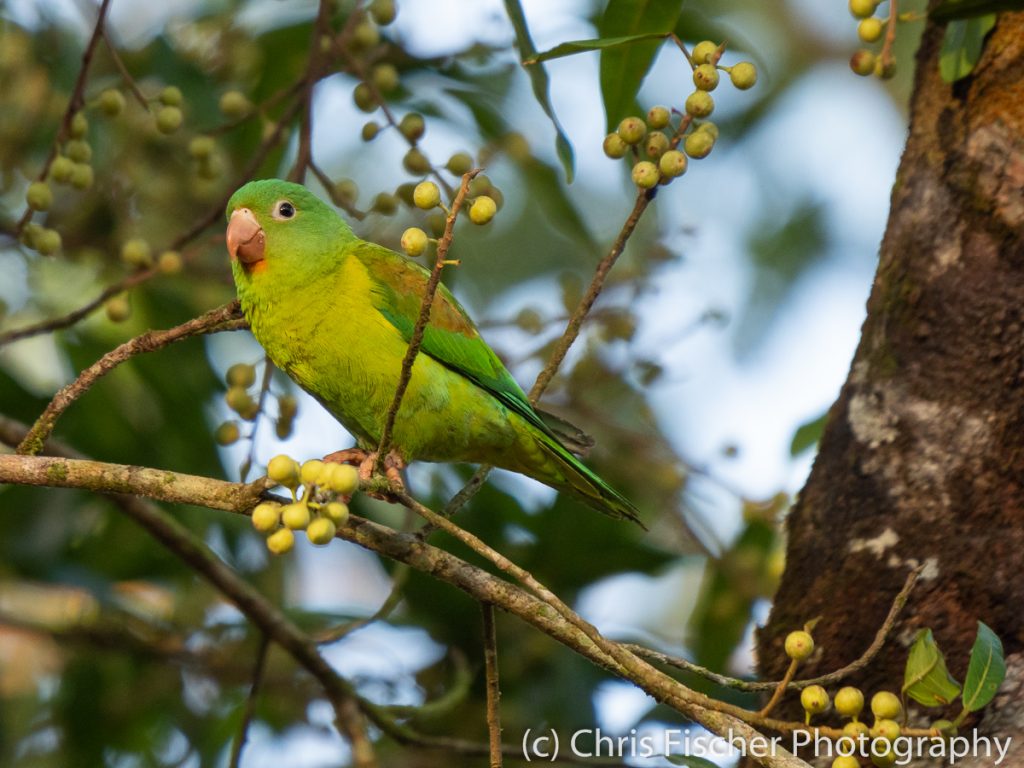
922, 458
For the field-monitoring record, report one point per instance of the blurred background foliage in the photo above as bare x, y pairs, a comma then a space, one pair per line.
112, 653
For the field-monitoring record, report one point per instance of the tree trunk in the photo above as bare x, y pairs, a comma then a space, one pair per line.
922, 458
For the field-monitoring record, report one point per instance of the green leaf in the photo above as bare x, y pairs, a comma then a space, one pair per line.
541, 84
965, 9
624, 67
926, 679
691, 761
807, 435
986, 670
962, 45
556, 204
594, 44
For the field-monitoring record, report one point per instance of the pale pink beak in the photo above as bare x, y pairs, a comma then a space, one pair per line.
245, 236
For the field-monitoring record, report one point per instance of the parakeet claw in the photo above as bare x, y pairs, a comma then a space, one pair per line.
367, 461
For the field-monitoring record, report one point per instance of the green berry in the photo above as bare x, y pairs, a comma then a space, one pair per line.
201, 147
210, 167
365, 35
861, 9
482, 210
705, 77
234, 105
39, 196
658, 118
863, 62
481, 185
869, 30
312, 472
856, 730
884, 70
799, 645
283, 428
287, 405
79, 126
321, 531
336, 512
656, 144
370, 131
846, 761
118, 309
171, 96
700, 104
645, 174
385, 204
137, 253
48, 242
886, 729
111, 102
363, 97
414, 241
435, 223
703, 52
632, 130
672, 164
743, 75
281, 541
239, 401
614, 147
283, 470
340, 478
814, 699
345, 192
699, 144
849, 701
412, 126
383, 11
886, 705
227, 433
385, 77
882, 754
81, 176
404, 193
460, 163
241, 375
426, 195
266, 517
61, 169
415, 162
78, 150
169, 119
169, 263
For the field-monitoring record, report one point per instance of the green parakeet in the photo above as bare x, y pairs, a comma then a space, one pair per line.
336, 314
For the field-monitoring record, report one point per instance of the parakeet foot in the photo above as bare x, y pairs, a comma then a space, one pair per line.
367, 461
353, 456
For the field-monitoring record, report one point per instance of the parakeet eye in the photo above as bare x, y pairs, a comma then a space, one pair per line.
283, 210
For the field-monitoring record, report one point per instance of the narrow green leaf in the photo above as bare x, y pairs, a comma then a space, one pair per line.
557, 205
595, 44
541, 85
965, 9
926, 679
962, 46
986, 670
807, 435
624, 67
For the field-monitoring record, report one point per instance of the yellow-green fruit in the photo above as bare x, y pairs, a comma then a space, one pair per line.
283, 470
78, 150
321, 531
171, 96
365, 35
426, 195
849, 701
312, 472
385, 77
169, 119
882, 753
799, 645
363, 97
283, 428
846, 761
861, 9
287, 405
370, 131
482, 210
435, 223
412, 126
48, 242
82, 176
234, 105
614, 146
336, 512
30, 233
645, 174
632, 130
884, 70
700, 104
79, 126
869, 30
699, 144
414, 241
863, 62
656, 145
136, 253
385, 204
346, 191
886, 729
703, 52
201, 147
886, 705
39, 196
480, 185
295, 515
658, 117
227, 433
210, 168
341, 478
169, 263
705, 77
672, 164
111, 102
266, 517
814, 699
415, 162
383, 11
241, 375
460, 163
281, 541
856, 730
61, 169
743, 75
238, 400
118, 309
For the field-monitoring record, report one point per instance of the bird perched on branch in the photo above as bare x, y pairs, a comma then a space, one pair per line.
336, 314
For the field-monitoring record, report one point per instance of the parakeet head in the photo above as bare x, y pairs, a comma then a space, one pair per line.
280, 227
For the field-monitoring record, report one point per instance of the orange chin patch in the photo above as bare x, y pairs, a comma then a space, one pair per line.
255, 267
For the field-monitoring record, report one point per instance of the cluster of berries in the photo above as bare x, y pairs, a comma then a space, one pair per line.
240, 378
870, 29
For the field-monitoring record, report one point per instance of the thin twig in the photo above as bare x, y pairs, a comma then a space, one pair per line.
227, 317
392, 601
305, 151
250, 703
493, 688
886, 55
424, 317
780, 689
125, 74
